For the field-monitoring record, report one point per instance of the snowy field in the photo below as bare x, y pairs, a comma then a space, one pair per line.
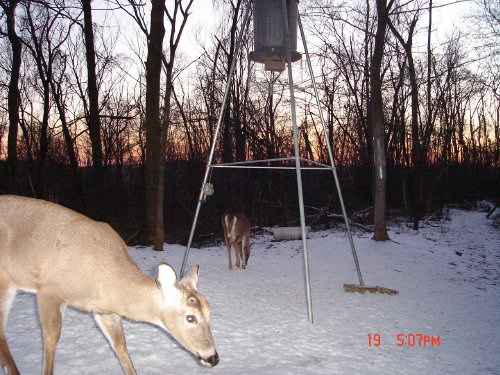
447, 275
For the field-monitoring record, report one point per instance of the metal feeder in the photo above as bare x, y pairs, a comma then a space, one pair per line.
270, 45
275, 44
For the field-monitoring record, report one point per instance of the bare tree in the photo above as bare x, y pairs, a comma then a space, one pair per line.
376, 119
485, 19
345, 32
157, 126
418, 159
155, 137
45, 33
97, 198
229, 49
9, 8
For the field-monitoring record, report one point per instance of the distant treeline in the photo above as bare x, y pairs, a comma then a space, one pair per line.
268, 196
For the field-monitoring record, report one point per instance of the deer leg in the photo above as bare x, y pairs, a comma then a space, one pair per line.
7, 294
50, 312
229, 255
243, 258
245, 251
237, 249
111, 326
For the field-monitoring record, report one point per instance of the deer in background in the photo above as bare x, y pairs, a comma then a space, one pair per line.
69, 259
237, 232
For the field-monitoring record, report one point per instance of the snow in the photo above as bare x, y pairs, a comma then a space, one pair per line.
447, 275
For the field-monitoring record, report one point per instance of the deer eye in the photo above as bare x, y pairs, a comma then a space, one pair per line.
191, 319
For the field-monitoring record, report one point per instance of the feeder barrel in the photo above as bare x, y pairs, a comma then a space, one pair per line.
269, 40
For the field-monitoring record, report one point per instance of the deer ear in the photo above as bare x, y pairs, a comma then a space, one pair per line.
191, 277
165, 276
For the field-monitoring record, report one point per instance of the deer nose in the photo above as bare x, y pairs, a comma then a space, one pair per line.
213, 360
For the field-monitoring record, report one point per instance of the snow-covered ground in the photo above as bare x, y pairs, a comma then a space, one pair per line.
447, 275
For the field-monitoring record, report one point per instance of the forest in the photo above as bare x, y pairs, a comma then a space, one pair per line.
109, 107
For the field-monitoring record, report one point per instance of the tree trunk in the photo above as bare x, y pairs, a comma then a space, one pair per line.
416, 151
417, 156
70, 144
376, 121
13, 96
44, 72
230, 119
97, 198
154, 134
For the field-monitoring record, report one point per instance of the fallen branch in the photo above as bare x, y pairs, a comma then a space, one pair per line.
340, 218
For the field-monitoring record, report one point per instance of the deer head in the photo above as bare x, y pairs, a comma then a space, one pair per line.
187, 314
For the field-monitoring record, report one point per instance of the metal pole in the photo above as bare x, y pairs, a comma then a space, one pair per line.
246, 18
297, 161
330, 154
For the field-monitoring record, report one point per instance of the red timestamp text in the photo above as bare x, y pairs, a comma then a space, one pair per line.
407, 339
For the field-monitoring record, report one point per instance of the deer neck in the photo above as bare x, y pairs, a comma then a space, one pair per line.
141, 300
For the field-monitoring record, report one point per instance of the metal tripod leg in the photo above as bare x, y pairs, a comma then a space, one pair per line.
246, 18
330, 155
297, 164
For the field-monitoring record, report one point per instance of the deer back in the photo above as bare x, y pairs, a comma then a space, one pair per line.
236, 226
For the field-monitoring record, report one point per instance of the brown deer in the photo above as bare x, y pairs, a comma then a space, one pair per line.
69, 259
237, 232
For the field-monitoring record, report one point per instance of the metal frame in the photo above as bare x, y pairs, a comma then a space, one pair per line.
330, 154
246, 19
296, 158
